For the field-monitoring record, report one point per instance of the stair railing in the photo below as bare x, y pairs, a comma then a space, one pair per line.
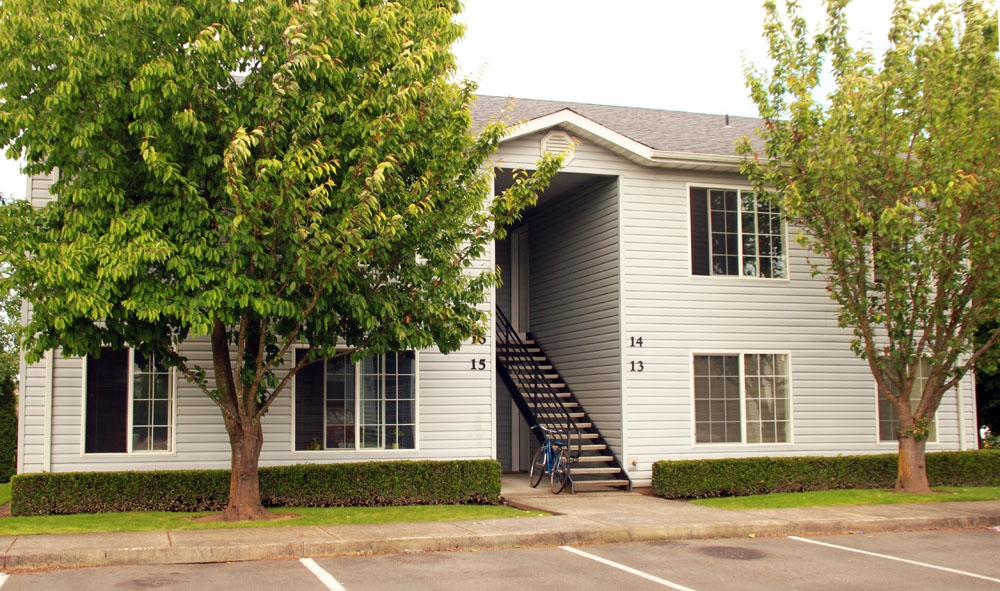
524, 376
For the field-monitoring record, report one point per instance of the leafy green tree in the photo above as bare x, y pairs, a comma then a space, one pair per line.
330, 195
10, 324
894, 181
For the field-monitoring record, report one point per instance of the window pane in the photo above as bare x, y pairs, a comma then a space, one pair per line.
161, 412
140, 413
161, 438
717, 398
767, 396
161, 386
142, 439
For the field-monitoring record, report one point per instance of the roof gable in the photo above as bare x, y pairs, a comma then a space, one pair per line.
654, 137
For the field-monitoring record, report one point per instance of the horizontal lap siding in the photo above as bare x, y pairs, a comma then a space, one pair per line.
455, 415
574, 297
833, 395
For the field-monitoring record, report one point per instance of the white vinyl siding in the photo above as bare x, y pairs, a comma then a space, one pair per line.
678, 314
574, 297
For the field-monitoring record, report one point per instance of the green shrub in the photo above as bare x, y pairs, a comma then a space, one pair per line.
689, 479
304, 485
8, 428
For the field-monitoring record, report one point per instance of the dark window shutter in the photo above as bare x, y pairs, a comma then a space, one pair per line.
309, 420
107, 403
700, 260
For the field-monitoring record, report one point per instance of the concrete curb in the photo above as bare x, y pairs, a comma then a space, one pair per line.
211, 546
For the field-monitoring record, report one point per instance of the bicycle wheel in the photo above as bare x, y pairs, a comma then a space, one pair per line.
537, 467
560, 472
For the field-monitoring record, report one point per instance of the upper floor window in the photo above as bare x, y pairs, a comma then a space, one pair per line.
736, 234
368, 405
129, 403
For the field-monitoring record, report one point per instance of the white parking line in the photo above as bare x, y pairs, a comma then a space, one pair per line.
324, 577
628, 569
887, 557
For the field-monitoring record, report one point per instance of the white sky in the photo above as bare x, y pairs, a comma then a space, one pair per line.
684, 55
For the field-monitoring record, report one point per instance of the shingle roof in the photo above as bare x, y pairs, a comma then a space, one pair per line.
672, 131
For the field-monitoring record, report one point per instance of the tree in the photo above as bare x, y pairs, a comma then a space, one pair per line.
329, 195
894, 180
10, 324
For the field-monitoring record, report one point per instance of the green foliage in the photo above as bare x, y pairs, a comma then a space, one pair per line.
893, 178
366, 484
988, 385
331, 194
8, 427
735, 477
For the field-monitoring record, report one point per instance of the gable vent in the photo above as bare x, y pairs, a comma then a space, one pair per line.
557, 142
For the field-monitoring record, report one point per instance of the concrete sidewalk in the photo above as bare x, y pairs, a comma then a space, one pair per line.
583, 518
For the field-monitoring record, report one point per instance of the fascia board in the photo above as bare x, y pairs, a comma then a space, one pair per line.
616, 142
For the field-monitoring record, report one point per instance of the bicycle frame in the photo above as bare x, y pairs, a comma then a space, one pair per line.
551, 458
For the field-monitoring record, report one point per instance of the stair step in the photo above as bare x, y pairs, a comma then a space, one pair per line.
575, 470
572, 415
554, 404
593, 447
595, 459
581, 426
601, 482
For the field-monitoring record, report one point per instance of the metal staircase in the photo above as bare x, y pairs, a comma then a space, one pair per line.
544, 399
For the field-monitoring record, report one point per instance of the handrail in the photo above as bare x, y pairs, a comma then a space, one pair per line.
525, 374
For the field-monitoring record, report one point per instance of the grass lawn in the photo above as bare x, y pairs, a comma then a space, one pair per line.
828, 498
155, 520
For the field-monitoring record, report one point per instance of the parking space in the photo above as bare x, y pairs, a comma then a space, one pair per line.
935, 560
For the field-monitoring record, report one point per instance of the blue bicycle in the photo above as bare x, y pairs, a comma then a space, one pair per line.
552, 458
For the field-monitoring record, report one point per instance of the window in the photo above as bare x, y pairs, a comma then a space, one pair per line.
741, 398
888, 419
368, 405
129, 403
736, 234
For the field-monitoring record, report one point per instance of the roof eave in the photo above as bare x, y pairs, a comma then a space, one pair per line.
634, 151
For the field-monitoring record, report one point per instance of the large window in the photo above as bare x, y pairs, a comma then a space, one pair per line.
368, 405
129, 403
741, 398
888, 418
734, 233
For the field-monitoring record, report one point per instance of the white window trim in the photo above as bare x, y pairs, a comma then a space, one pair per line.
172, 393
741, 277
790, 427
340, 452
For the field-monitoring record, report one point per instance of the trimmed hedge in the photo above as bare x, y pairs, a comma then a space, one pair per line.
305, 485
691, 479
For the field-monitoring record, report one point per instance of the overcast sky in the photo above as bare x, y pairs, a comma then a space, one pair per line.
684, 55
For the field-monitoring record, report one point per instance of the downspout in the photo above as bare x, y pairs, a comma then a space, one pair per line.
963, 427
47, 427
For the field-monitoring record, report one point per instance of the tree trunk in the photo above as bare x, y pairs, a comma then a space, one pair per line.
246, 439
912, 477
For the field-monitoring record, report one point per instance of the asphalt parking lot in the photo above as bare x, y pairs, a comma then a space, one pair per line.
967, 559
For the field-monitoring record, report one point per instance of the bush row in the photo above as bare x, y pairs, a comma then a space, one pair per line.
689, 479
304, 485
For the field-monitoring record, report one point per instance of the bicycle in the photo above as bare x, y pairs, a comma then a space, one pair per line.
552, 458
